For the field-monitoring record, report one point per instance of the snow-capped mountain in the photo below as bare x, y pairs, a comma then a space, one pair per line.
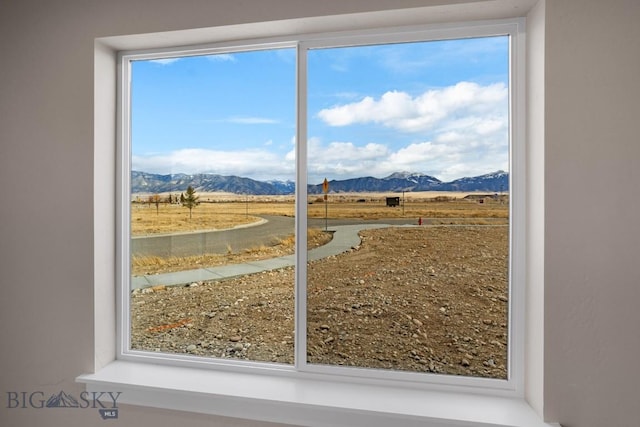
143, 182
494, 182
398, 181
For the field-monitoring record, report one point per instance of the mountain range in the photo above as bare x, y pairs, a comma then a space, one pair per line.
143, 182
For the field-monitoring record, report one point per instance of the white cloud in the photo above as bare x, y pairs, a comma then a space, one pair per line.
165, 61
342, 151
340, 160
222, 57
444, 160
225, 57
449, 157
432, 109
254, 163
463, 131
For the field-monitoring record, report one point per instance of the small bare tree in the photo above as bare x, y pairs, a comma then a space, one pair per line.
190, 200
155, 199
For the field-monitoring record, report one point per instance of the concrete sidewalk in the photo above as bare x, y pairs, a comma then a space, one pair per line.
345, 237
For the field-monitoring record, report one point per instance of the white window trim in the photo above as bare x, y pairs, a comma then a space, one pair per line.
309, 400
145, 382
394, 35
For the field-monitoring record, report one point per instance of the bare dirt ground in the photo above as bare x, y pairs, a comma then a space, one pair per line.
425, 299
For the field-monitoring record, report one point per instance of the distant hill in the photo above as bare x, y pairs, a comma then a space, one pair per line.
494, 182
408, 181
399, 181
143, 182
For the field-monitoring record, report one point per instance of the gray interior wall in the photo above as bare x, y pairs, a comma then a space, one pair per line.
592, 238
46, 216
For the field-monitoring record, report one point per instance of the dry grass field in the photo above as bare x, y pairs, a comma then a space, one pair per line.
222, 210
146, 220
219, 211
143, 265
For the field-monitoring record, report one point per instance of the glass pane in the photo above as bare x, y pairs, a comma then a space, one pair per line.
212, 205
413, 142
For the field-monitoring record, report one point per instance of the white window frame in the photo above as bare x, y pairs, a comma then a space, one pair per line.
144, 365
303, 44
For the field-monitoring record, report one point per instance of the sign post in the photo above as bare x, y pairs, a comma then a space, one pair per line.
325, 190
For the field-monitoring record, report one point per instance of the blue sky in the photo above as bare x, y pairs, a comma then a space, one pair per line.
439, 108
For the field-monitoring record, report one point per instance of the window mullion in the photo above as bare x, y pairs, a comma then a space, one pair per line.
301, 209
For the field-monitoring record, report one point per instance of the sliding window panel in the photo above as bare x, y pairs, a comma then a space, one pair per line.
408, 206
212, 172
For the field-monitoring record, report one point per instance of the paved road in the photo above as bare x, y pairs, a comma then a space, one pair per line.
344, 238
267, 233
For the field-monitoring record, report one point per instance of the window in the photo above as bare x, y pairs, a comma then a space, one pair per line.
314, 394
212, 205
426, 290
335, 205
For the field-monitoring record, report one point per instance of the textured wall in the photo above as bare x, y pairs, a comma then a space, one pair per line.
47, 165
592, 237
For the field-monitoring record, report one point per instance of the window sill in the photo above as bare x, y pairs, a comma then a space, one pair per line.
303, 401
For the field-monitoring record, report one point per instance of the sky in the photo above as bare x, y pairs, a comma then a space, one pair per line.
438, 108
